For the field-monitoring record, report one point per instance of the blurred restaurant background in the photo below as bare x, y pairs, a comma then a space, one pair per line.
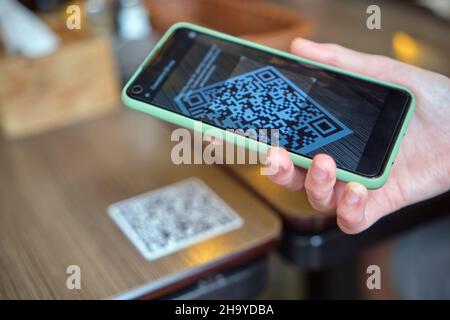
68, 149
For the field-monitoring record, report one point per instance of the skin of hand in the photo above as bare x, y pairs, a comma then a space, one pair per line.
422, 166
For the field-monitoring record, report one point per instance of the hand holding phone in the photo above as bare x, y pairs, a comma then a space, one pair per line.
421, 170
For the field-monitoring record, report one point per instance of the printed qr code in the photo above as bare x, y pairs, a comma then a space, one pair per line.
265, 99
165, 220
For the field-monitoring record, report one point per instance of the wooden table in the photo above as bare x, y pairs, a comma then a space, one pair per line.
54, 188
54, 191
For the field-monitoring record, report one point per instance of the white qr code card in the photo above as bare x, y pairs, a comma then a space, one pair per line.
171, 218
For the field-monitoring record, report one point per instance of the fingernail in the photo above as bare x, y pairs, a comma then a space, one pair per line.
319, 174
299, 41
352, 197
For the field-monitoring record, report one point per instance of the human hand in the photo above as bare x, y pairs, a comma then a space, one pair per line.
422, 166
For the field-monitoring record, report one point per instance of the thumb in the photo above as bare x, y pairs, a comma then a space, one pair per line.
338, 56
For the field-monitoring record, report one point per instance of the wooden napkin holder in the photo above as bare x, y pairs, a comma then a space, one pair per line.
79, 81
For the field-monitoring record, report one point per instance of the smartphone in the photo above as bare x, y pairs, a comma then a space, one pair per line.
197, 75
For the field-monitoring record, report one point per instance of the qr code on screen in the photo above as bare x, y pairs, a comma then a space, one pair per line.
265, 99
165, 220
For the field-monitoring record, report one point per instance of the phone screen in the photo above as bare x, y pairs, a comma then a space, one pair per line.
234, 86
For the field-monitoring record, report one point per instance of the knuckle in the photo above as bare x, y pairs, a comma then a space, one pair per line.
318, 206
317, 192
351, 219
317, 195
320, 200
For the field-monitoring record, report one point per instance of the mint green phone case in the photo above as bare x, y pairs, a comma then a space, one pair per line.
301, 161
